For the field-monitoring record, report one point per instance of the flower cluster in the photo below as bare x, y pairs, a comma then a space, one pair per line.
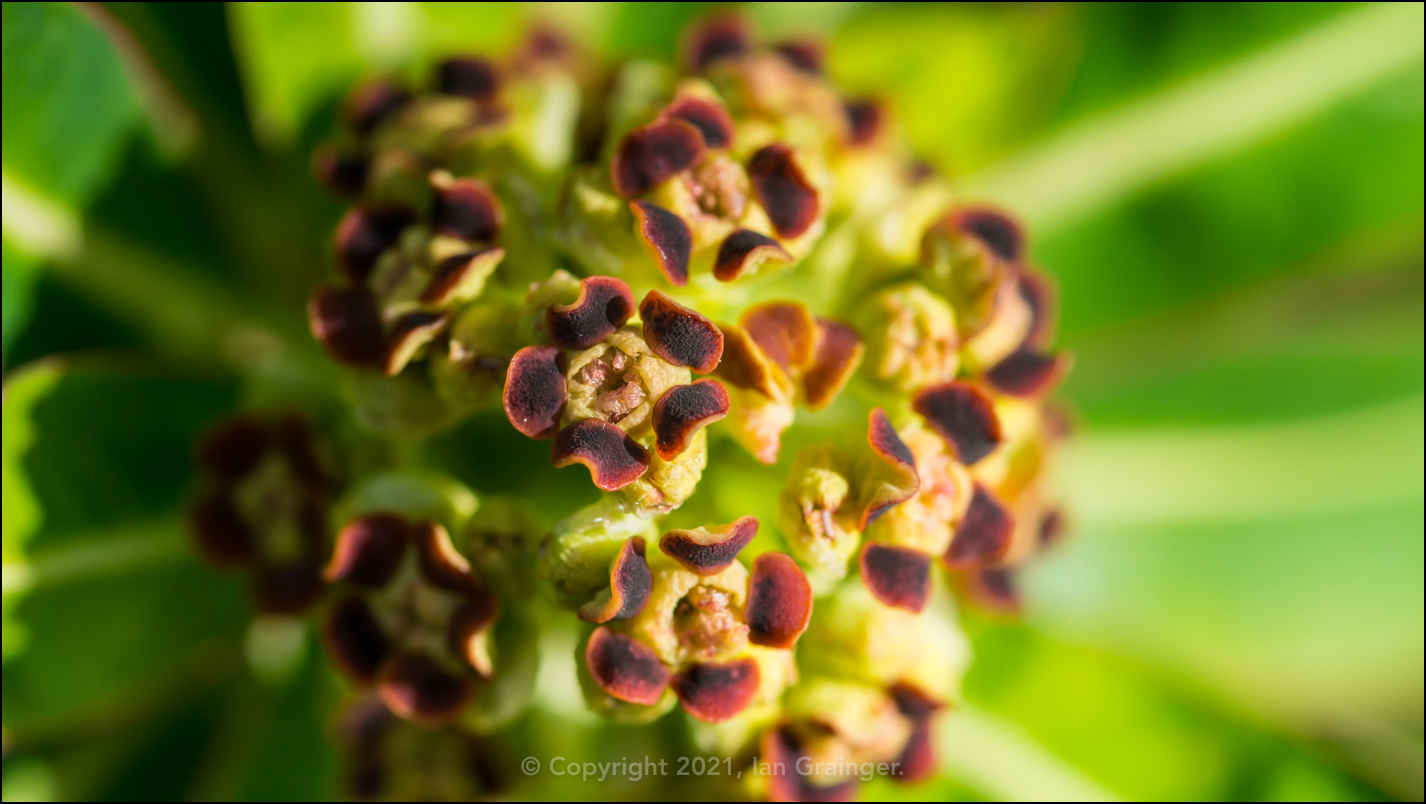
670, 273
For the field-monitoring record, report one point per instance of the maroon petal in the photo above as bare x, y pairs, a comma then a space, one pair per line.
963, 415
371, 102
650, 155
369, 550
347, 323
918, 758
896, 457
415, 687
535, 390
468, 77
355, 640
466, 209
710, 118
743, 251
839, 352
865, 121
604, 304
233, 447
806, 55
715, 692
343, 174
783, 190
779, 601
630, 584
288, 589
220, 534
679, 334
613, 458
1039, 293
625, 667
474, 617
782, 752
990, 588
409, 333
712, 552
983, 534
1027, 372
785, 331
363, 233
460, 277
897, 576
717, 37
994, 228
438, 558
666, 237
912, 702
745, 366
1052, 528
684, 410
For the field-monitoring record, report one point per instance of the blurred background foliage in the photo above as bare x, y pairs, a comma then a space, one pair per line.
1230, 197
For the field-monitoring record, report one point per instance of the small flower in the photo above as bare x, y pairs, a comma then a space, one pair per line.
689, 621
414, 619
265, 508
386, 758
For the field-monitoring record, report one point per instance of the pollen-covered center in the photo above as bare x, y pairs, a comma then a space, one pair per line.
271, 502
720, 187
415, 613
614, 383
708, 624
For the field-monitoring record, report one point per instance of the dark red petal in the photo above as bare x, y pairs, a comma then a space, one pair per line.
679, 334
779, 601
1039, 293
1052, 528
897, 576
839, 352
625, 667
475, 616
1027, 372
343, 174
363, 233
371, 102
782, 752
347, 323
630, 584
355, 640
439, 560
785, 331
650, 155
712, 552
220, 534
745, 366
805, 54
994, 228
684, 410
535, 390
912, 701
604, 304
918, 759
233, 447
298, 444
983, 534
715, 38
466, 209
990, 588
865, 120
414, 686
744, 250
468, 77
710, 118
894, 453
963, 415
613, 458
715, 692
369, 550
453, 279
784, 192
666, 237
409, 333
287, 589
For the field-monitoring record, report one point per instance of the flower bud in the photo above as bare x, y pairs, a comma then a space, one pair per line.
912, 338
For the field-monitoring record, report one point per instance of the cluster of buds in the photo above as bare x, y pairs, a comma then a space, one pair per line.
264, 508
498, 235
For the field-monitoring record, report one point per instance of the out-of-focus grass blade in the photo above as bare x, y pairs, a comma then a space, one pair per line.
1095, 162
